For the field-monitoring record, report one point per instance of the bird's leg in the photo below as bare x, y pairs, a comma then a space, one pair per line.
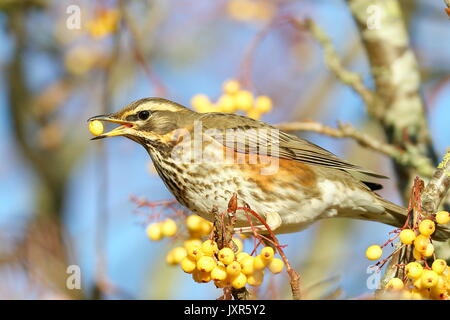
273, 220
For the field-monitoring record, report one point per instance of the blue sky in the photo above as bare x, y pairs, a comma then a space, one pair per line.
131, 257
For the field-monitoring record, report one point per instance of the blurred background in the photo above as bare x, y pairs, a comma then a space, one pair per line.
65, 200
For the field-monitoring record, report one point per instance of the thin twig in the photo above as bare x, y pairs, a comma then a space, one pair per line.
409, 157
334, 63
246, 63
160, 88
293, 275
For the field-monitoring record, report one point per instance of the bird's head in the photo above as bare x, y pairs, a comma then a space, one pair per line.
147, 120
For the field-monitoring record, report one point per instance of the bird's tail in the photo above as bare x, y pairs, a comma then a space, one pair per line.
395, 215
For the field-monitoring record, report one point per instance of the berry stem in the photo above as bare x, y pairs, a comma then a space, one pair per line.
293, 275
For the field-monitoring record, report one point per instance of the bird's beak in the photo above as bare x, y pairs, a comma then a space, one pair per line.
119, 131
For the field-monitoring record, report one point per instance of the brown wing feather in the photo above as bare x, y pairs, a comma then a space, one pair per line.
252, 136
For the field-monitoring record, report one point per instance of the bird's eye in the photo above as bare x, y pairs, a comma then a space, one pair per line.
143, 115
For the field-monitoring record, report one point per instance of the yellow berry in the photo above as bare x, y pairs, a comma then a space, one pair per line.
276, 265
205, 227
231, 86
407, 236
241, 255
226, 255
263, 104
256, 278
267, 253
437, 293
170, 259
239, 281
421, 242
168, 228
395, 284
206, 263
425, 293
192, 242
194, 252
416, 294
220, 283
374, 252
188, 264
103, 23
442, 217
154, 231
201, 103
447, 272
418, 283
219, 273
220, 263
96, 127
239, 244
201, 276
439, 266
193, 223
243, 100
440, 289
429, 278
247, 265
226, 103
259, 263
417, 255
428, 251
254, 114
209, 247
414, 270
178, 254
196, 275
233, 269
443, 282
406, 295
427, 227
205, 276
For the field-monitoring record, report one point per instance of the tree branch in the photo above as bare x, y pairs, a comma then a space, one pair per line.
409, 157
437, 187
429, 199
397, 79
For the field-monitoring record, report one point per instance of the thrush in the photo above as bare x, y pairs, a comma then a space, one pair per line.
206, 158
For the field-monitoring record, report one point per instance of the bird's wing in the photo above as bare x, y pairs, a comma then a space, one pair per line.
252, 136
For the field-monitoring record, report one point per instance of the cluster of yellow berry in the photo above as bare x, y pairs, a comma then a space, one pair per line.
205, 262
81, 58
104, 23
251, 10
421, 282
228, 268
233, 99
166, 228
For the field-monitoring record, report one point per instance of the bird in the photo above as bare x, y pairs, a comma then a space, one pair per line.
204, 159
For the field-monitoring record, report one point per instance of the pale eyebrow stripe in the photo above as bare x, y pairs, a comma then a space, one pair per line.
151, 106
156, 107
